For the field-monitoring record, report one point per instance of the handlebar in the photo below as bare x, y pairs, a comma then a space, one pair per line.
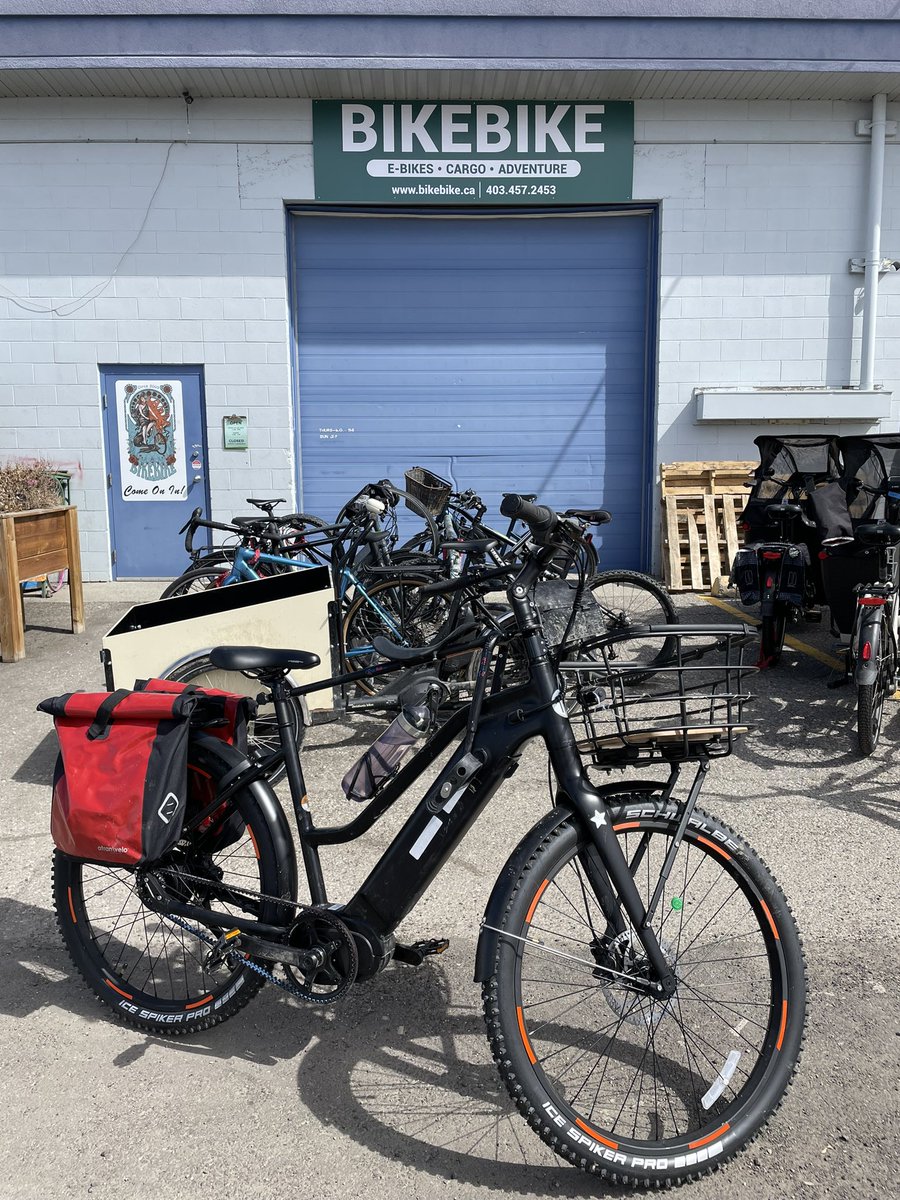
540, 519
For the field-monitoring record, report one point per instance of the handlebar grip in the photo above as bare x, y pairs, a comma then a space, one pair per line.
441, 586
540, 519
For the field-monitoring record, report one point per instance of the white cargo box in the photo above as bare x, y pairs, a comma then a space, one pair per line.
288, 611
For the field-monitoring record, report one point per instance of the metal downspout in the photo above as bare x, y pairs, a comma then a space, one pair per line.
873, 252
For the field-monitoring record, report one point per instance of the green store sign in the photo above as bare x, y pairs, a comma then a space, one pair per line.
454, 153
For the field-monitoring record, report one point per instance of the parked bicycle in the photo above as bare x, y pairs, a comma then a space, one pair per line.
795, 502
861, 573
642, 977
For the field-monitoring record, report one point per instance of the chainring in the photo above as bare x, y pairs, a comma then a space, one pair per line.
322, 934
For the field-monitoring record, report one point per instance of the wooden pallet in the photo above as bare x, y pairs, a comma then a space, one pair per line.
701, 503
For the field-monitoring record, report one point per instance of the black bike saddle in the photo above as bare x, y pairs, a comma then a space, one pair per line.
593, 516
265, 505
260, 658
782, 512
881, 533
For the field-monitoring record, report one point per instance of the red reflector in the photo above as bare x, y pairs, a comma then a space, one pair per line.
867, 651
588, 537
823, 554
770, 582
772, 554
872, 601
744, 526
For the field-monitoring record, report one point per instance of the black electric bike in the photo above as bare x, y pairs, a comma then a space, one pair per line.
642, 975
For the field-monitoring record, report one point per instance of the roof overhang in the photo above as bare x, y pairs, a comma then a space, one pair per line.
407, 48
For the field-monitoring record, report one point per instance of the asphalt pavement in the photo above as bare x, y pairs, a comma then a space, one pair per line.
392, 1091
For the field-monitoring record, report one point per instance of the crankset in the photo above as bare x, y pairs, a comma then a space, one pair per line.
326, 959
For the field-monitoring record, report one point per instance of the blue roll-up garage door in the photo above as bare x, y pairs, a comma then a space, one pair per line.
504, 353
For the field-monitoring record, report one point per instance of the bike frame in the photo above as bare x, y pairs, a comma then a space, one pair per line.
877, 610
497, 728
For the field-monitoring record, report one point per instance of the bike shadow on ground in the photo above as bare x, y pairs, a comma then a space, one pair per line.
38, 973
408, 1073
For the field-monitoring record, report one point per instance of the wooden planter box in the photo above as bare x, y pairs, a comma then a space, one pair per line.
34, 543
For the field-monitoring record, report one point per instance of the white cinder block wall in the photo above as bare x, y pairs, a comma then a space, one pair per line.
762, 207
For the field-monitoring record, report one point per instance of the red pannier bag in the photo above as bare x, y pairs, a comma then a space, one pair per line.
229, 714
122, 792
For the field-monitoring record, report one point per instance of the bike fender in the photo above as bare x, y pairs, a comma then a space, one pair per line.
272, 812
865, 672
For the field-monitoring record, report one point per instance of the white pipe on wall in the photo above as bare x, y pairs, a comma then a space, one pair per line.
873, 251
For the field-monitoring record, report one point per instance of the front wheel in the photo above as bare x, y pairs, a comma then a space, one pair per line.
869, 713
639, 1089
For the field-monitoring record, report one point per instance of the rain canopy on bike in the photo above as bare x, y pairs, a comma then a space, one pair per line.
871, 469
870, 473
800, 469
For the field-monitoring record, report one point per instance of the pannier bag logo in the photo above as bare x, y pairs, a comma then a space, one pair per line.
168, 808
150, 430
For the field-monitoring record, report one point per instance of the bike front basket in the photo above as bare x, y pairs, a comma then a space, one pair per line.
429, 489
689, 708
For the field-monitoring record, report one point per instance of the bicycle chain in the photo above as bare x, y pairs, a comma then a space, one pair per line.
290, 988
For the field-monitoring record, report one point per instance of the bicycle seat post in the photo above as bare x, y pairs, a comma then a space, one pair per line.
281, 695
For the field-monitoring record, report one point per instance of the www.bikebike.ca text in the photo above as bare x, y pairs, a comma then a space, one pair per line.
490, 189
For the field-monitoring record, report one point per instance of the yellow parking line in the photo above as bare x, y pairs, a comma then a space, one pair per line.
803, 647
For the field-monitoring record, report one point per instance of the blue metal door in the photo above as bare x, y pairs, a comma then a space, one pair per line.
154, 426
504, 353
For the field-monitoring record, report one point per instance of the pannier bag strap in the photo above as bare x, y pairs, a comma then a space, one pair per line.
100, 727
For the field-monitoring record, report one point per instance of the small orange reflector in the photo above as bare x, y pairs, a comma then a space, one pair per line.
523, 1032
710, 1137
783, 1025
72, 907
626, 825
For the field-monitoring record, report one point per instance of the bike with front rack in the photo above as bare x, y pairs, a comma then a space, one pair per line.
642, 977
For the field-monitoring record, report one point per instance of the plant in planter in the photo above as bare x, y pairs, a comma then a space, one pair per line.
29, 484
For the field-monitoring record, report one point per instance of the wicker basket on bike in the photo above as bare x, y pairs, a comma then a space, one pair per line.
870, 483
429, 489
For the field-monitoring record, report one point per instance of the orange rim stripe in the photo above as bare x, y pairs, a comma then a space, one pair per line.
783, 1025
534, 902
713, 846
710, 1137
199, 771
72, 907
765, 909
198, 1003
525, 1041
627, 825
118, 989
253, 840
595, 1134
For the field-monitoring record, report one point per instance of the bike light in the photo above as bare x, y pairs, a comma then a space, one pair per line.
872, 601
772, 554
770, 582
867, 651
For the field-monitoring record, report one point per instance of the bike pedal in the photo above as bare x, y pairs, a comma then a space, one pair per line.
416, 953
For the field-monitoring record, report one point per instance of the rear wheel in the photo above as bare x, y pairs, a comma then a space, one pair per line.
198, 579
628, 599
393, 609
639, 1089
148, 970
